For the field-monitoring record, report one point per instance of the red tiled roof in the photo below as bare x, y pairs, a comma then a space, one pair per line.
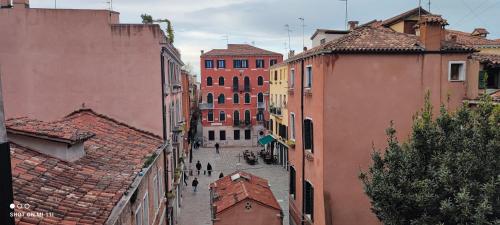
86, 190
404, 15
239, 49
470, 40
432, 18
487, 58
62, 131
249, 186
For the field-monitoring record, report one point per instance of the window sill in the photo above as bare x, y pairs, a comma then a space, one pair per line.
456, 81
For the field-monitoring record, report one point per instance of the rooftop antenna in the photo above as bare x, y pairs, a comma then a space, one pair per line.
110, 3
288, 30
419, 8
345, 12
226, 37
55, 4
303, 26
429, 6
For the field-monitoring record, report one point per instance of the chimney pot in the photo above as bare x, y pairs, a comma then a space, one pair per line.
291, 53
353, 24
305, 49
202, 52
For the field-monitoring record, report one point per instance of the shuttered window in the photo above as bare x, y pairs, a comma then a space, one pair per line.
308, 134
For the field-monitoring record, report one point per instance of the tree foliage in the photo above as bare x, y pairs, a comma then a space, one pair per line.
446, 174
147, 19
170, 31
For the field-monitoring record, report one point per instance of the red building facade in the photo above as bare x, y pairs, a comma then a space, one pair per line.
235, 88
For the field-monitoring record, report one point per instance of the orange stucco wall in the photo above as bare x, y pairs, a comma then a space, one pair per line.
258, 215
351, 106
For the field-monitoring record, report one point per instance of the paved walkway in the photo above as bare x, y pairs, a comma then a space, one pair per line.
195, 205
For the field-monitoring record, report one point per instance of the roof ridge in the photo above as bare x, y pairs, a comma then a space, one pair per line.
89, 110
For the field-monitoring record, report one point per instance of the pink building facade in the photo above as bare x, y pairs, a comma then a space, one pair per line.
54, 61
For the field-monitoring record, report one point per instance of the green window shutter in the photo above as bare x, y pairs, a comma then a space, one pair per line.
483, 75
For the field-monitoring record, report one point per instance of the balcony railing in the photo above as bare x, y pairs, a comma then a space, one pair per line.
275, 111
206, 105
261, 105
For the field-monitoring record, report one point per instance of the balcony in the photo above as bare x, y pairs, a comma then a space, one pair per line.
261, 105
206, 106
276, 111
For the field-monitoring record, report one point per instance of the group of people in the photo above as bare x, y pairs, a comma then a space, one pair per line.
208, 170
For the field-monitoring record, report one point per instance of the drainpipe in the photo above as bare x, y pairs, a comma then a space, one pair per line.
163, 110
6, 198
303, 141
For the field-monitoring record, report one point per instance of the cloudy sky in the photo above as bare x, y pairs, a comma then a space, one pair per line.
205, 24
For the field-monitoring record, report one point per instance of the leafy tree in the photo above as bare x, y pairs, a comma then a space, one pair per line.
170, 31
147, 19
446, 174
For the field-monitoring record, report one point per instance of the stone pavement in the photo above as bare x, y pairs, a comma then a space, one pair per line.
195, 209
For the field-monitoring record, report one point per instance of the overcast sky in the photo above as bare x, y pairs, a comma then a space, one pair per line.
204, 24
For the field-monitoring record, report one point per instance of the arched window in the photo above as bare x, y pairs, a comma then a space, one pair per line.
209, 81
221, 99
221, 81
210, 116
247, 116
235, 84
222, 116
246, 83
260, 116
276, 75
236, 117
236, 98
247, 98
210, 98
260, 97
308, 135
260, 81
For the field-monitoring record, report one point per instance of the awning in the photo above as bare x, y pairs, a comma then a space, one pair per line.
266, 140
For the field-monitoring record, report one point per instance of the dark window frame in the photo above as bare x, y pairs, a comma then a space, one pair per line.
260, 63
236, 135
210, 81
221, 97
219, 63
209, 64
211, 135
309, 135
221, 81
248, 134
222, 135
260, 81
210, 116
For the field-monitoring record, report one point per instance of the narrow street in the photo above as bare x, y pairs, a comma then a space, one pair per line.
196, 205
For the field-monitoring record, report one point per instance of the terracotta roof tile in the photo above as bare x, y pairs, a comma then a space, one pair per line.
404, 15
59, 130
487, 58
85, 191
248, 186
432, 18
470, 40
239, 49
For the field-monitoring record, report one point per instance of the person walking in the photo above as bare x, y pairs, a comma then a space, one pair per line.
195, 184
221, 175
217, 148
209, 169
185, 179
198, 166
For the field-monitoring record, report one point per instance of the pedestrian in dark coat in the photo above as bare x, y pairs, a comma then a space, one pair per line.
209, 169
195, 184
217, 148
198, 166
185, 179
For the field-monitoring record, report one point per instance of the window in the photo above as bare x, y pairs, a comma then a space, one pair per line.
409, 26
275, 75
260, 97
292, 126
160, 185
209, 81
210, 98
222, 116
236, 118
210, 116
236, 98
259, 63
240, 63
155, 192
260, 116
236, 134
292, 182
209, 64
221, 81
246, 82
235, 84
138, 216
211, 135
146, 208
322, 41
308, 136
272, 62
292, 78
248, 134
309, 196
247, 98
247, 116
309, 77
271, 125
260, 81
456, 71
222, 135
221, 99
221, 63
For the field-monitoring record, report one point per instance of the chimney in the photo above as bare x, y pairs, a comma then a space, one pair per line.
21, 3
353, 24
202, 52
480, 32
57, 139
291, 53
305, 49
5, 4
431, 30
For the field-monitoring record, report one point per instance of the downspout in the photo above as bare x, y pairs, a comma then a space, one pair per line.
163, 110
303, 140
6, 198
